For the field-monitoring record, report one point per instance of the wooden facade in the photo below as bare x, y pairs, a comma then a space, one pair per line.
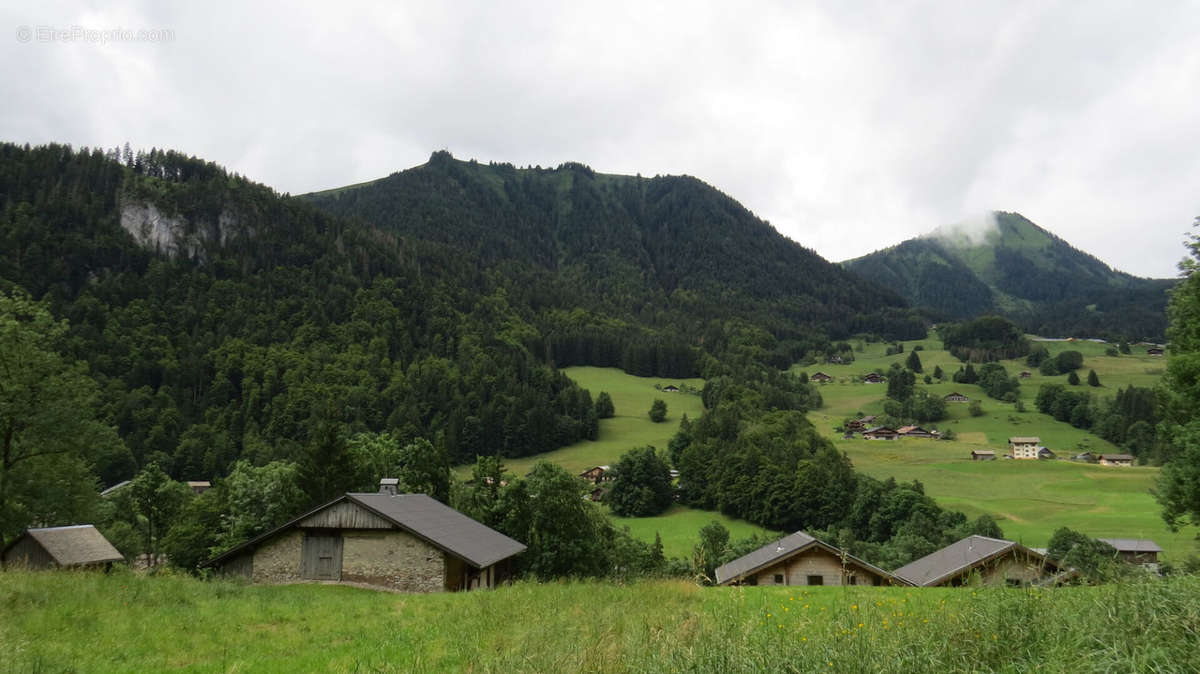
815, 566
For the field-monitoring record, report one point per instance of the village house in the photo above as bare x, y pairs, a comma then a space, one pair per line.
820, 378
983, 455
1025, 374
800, 559
407, 542
199, 486
1134, 550
915, 432
874, 378
992, 560
670, 388
880, 433
1116, 460
597, 474
1024, 447
956, 397
76, 546
860, 424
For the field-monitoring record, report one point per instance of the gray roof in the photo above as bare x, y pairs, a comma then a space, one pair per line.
772, 552
423, 516
75, 545
956, 558
1132, 544
1024, 440
442, 526
1116, 457
115, 488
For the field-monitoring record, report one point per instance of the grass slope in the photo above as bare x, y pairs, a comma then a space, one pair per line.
1031, 498
121, 622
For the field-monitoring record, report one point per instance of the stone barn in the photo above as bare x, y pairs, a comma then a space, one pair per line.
800, 559
80, 545
408, 542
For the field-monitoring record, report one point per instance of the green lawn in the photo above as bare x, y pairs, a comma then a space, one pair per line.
679, 528
62, 621
1031, 498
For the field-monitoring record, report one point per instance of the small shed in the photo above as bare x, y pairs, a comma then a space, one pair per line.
1125, 460
1025, 374
820, 378
983, 455
1134, 550
670, 388
199, 486
1154, 351
80, 545
956, 397
874, 378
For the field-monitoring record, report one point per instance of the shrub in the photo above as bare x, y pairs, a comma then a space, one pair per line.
658, 411
1069, 360
975, 409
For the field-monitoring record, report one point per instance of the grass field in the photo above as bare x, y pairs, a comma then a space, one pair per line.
679, 528
1032, 498
121, 622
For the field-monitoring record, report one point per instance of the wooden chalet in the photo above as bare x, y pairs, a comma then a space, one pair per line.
956, 397
800, 559
915, 432
407, 542
670, 388
860, 424
1024, 447
1134, 550
1116, 460
880, 433
874, 378
77, 546
199, 486
983, 455
820, 378
597, 474
991, 560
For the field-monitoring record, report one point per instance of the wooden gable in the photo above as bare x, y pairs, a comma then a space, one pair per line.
345, 515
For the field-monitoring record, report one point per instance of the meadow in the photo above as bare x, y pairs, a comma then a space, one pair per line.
1030, 498
125, 622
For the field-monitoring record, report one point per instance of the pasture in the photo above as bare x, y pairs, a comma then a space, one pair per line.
125, 622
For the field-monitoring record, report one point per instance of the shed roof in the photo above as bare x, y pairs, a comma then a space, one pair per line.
956, 558
75, 545
772, 552
879, 429
1116, 457
983, 451
423, 516
1132, 544
1024, 440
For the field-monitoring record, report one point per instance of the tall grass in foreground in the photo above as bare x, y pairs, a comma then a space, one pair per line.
51, 622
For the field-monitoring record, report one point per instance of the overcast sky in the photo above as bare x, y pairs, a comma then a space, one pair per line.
849, 126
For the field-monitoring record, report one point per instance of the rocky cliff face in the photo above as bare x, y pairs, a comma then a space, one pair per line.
175, 235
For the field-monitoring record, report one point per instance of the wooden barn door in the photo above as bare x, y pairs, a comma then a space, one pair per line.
321, 557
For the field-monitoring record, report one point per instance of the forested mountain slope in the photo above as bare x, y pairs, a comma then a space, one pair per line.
1025, 272
666, 251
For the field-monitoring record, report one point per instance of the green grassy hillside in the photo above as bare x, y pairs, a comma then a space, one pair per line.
1031, 498
121, 622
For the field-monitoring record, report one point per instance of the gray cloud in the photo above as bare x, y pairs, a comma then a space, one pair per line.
849, 129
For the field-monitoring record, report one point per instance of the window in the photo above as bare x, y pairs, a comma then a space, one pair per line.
816, 580
852, 579
779, 579
1013, 582
877, 581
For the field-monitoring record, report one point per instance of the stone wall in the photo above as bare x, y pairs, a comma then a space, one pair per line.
392, 558
277, 560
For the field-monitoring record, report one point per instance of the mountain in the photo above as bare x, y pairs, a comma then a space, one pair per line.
668, 250
1011, 266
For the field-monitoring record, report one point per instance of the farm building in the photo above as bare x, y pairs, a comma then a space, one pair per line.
1154, 351
915, 432
956, 397
1044, 453
880, 433
1025, 374
408, 542
800, 559
874, 378
670, 388
992, 560
1085, 457
1134, 550
597, 474
80, 545
820, 378
1024, 447
1116, 460
860, 424
199, 486
983, 455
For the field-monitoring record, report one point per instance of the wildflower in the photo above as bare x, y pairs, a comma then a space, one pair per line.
854, 607
860, 624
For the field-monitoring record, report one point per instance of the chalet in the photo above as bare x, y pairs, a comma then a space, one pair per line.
78, 546
199, 486
1154, 351
837, 360
1044, 453
820, 378
992, 560
880, 433
1134, 550
800, 559
1025, 374
983, 455
1116, 460
407, 542
859, 424
671, 388
1024, 447
915, 432
874, 378
956, 397
597, 474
